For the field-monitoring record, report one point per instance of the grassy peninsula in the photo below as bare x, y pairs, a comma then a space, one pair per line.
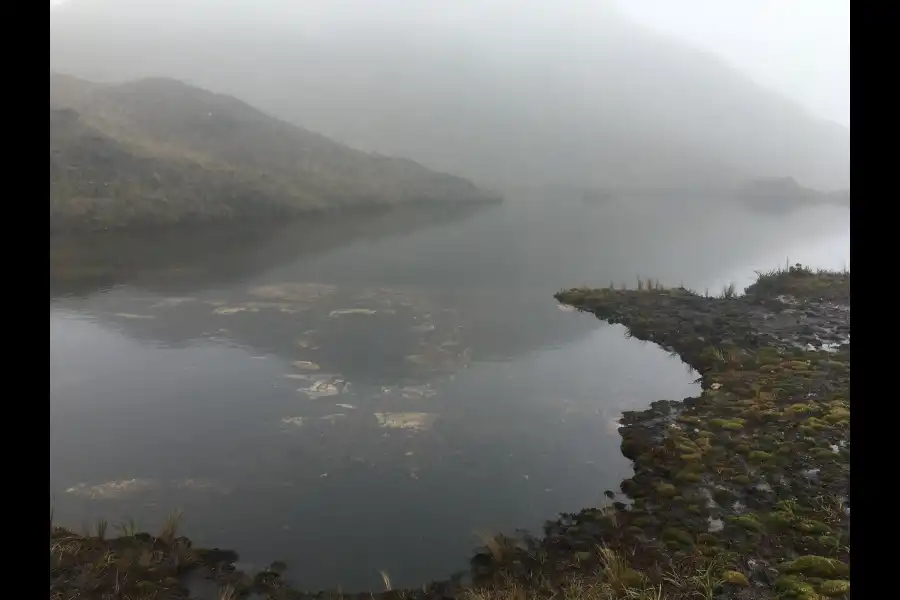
160, 152
741, 492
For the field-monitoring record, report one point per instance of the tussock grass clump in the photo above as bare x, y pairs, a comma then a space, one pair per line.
691, 577
649, 285
228, 593
802, 282
128, 528
170, 526
386, 580
102, 525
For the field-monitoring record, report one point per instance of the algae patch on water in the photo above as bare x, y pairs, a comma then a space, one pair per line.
409, 392
341, 312
324, 388
233, 310
415, 421
294, 292
112, 489
173, 301
305, 365
123, 488
333, 418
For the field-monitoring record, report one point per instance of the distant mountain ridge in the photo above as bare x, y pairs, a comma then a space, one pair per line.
158, 151
784, 193
520, 93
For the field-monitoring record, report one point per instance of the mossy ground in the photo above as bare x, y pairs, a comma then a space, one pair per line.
741, 492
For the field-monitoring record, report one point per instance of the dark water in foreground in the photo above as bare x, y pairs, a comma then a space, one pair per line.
364, 395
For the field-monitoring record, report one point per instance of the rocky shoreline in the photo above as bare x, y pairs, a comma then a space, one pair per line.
742, 492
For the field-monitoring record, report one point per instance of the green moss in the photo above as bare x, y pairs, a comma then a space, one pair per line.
834, 587
735, 578
829, 541
722, 496
779, 520
686, 446
631, 448
687, 476
823, 454
629, 487
816, 423
817, 566
666, 490
759, 456
757, 407
633, 531
631, 578
727, 424
794, 587
749, 522
810, 526
717, 454
768, 360
582, 556
680, 536
688, 419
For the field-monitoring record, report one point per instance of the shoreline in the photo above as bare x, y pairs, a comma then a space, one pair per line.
277, 215
741, 492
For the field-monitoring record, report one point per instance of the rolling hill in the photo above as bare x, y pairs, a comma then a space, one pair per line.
159, 151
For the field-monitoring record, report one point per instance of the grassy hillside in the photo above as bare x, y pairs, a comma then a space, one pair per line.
159, 151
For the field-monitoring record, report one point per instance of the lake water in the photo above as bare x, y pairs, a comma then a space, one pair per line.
365, 394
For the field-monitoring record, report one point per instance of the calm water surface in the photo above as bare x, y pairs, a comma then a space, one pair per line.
364, 394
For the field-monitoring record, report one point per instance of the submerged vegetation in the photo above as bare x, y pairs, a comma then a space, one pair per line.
741, 492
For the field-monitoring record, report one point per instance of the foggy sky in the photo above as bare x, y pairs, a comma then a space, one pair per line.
799, 48
505, 92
